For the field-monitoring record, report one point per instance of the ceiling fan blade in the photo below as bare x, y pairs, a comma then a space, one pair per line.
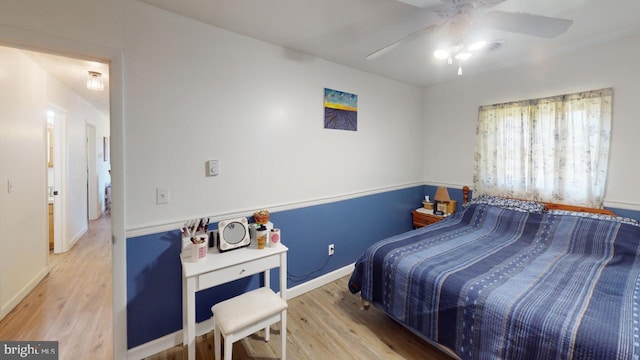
528, 24
393, 45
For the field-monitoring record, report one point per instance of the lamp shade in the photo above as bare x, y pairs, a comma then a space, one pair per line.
442, 194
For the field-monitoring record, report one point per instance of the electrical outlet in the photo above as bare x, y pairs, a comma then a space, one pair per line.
332, 249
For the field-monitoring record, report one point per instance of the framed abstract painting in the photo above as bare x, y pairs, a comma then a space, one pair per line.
340, 110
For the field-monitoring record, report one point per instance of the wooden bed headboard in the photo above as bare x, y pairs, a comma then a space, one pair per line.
554, 206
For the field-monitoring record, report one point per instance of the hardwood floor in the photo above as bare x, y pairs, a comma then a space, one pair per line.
325, 323
72, 305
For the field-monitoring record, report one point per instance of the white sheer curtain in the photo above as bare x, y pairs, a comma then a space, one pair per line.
554, 149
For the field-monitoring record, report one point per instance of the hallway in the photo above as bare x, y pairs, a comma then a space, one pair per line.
73, 304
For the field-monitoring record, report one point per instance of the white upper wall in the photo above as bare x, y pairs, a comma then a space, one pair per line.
195, 92
451, 111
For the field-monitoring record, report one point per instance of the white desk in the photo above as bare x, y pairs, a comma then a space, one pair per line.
219, 268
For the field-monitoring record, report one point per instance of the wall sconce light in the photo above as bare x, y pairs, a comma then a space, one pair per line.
94, 81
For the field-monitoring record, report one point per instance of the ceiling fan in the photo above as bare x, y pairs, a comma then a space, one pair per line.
459, 16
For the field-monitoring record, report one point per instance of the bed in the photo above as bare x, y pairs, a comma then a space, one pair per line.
511, 279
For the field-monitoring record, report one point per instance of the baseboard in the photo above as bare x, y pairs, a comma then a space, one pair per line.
77, 237
23, 293
319, 281
168, 341
155, 346
100, 213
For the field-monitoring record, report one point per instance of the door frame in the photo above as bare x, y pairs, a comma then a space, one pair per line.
94, 207
114, 56
59, 171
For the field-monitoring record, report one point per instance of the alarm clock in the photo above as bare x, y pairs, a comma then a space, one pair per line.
233, 234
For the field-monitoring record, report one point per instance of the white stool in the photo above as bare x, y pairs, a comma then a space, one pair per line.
245, 314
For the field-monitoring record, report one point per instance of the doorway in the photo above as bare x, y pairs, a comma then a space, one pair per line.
47, 162
93, 204
56, 167
81, 121
113, 56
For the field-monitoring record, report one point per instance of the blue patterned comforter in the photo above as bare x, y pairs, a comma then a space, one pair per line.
493, 283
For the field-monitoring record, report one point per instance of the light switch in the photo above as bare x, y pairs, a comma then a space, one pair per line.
10, 185
213, 168
162, 195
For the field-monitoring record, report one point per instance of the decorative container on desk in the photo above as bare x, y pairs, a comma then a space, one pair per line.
274, 237
199, 251
198, 248
261, 235
261, 216
253, 230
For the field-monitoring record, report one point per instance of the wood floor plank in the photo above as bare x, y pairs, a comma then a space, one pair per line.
325, 323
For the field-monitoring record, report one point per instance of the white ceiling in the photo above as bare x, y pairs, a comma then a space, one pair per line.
345, 31
73, 74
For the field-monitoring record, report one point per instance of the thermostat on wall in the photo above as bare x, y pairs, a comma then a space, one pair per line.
213, 167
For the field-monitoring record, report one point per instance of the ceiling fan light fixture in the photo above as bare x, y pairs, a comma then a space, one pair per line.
463, 56
477, 45
94, 81
441, 54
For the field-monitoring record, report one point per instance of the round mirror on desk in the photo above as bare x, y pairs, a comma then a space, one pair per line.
233, 234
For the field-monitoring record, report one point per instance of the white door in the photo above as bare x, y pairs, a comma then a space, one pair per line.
93, 194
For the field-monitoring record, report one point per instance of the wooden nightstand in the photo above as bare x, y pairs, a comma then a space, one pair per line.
422, 219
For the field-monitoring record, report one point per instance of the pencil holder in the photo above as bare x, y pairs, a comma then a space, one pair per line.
199, 251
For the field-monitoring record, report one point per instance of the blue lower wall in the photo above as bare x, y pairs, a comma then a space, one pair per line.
154, 273
626, 213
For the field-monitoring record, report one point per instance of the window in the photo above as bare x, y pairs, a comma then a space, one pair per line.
553, 149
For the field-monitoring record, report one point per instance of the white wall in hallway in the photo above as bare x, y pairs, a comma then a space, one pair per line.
78, 113
26, 91
23, 210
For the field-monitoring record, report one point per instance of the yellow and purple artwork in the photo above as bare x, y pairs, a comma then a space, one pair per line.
340, 110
